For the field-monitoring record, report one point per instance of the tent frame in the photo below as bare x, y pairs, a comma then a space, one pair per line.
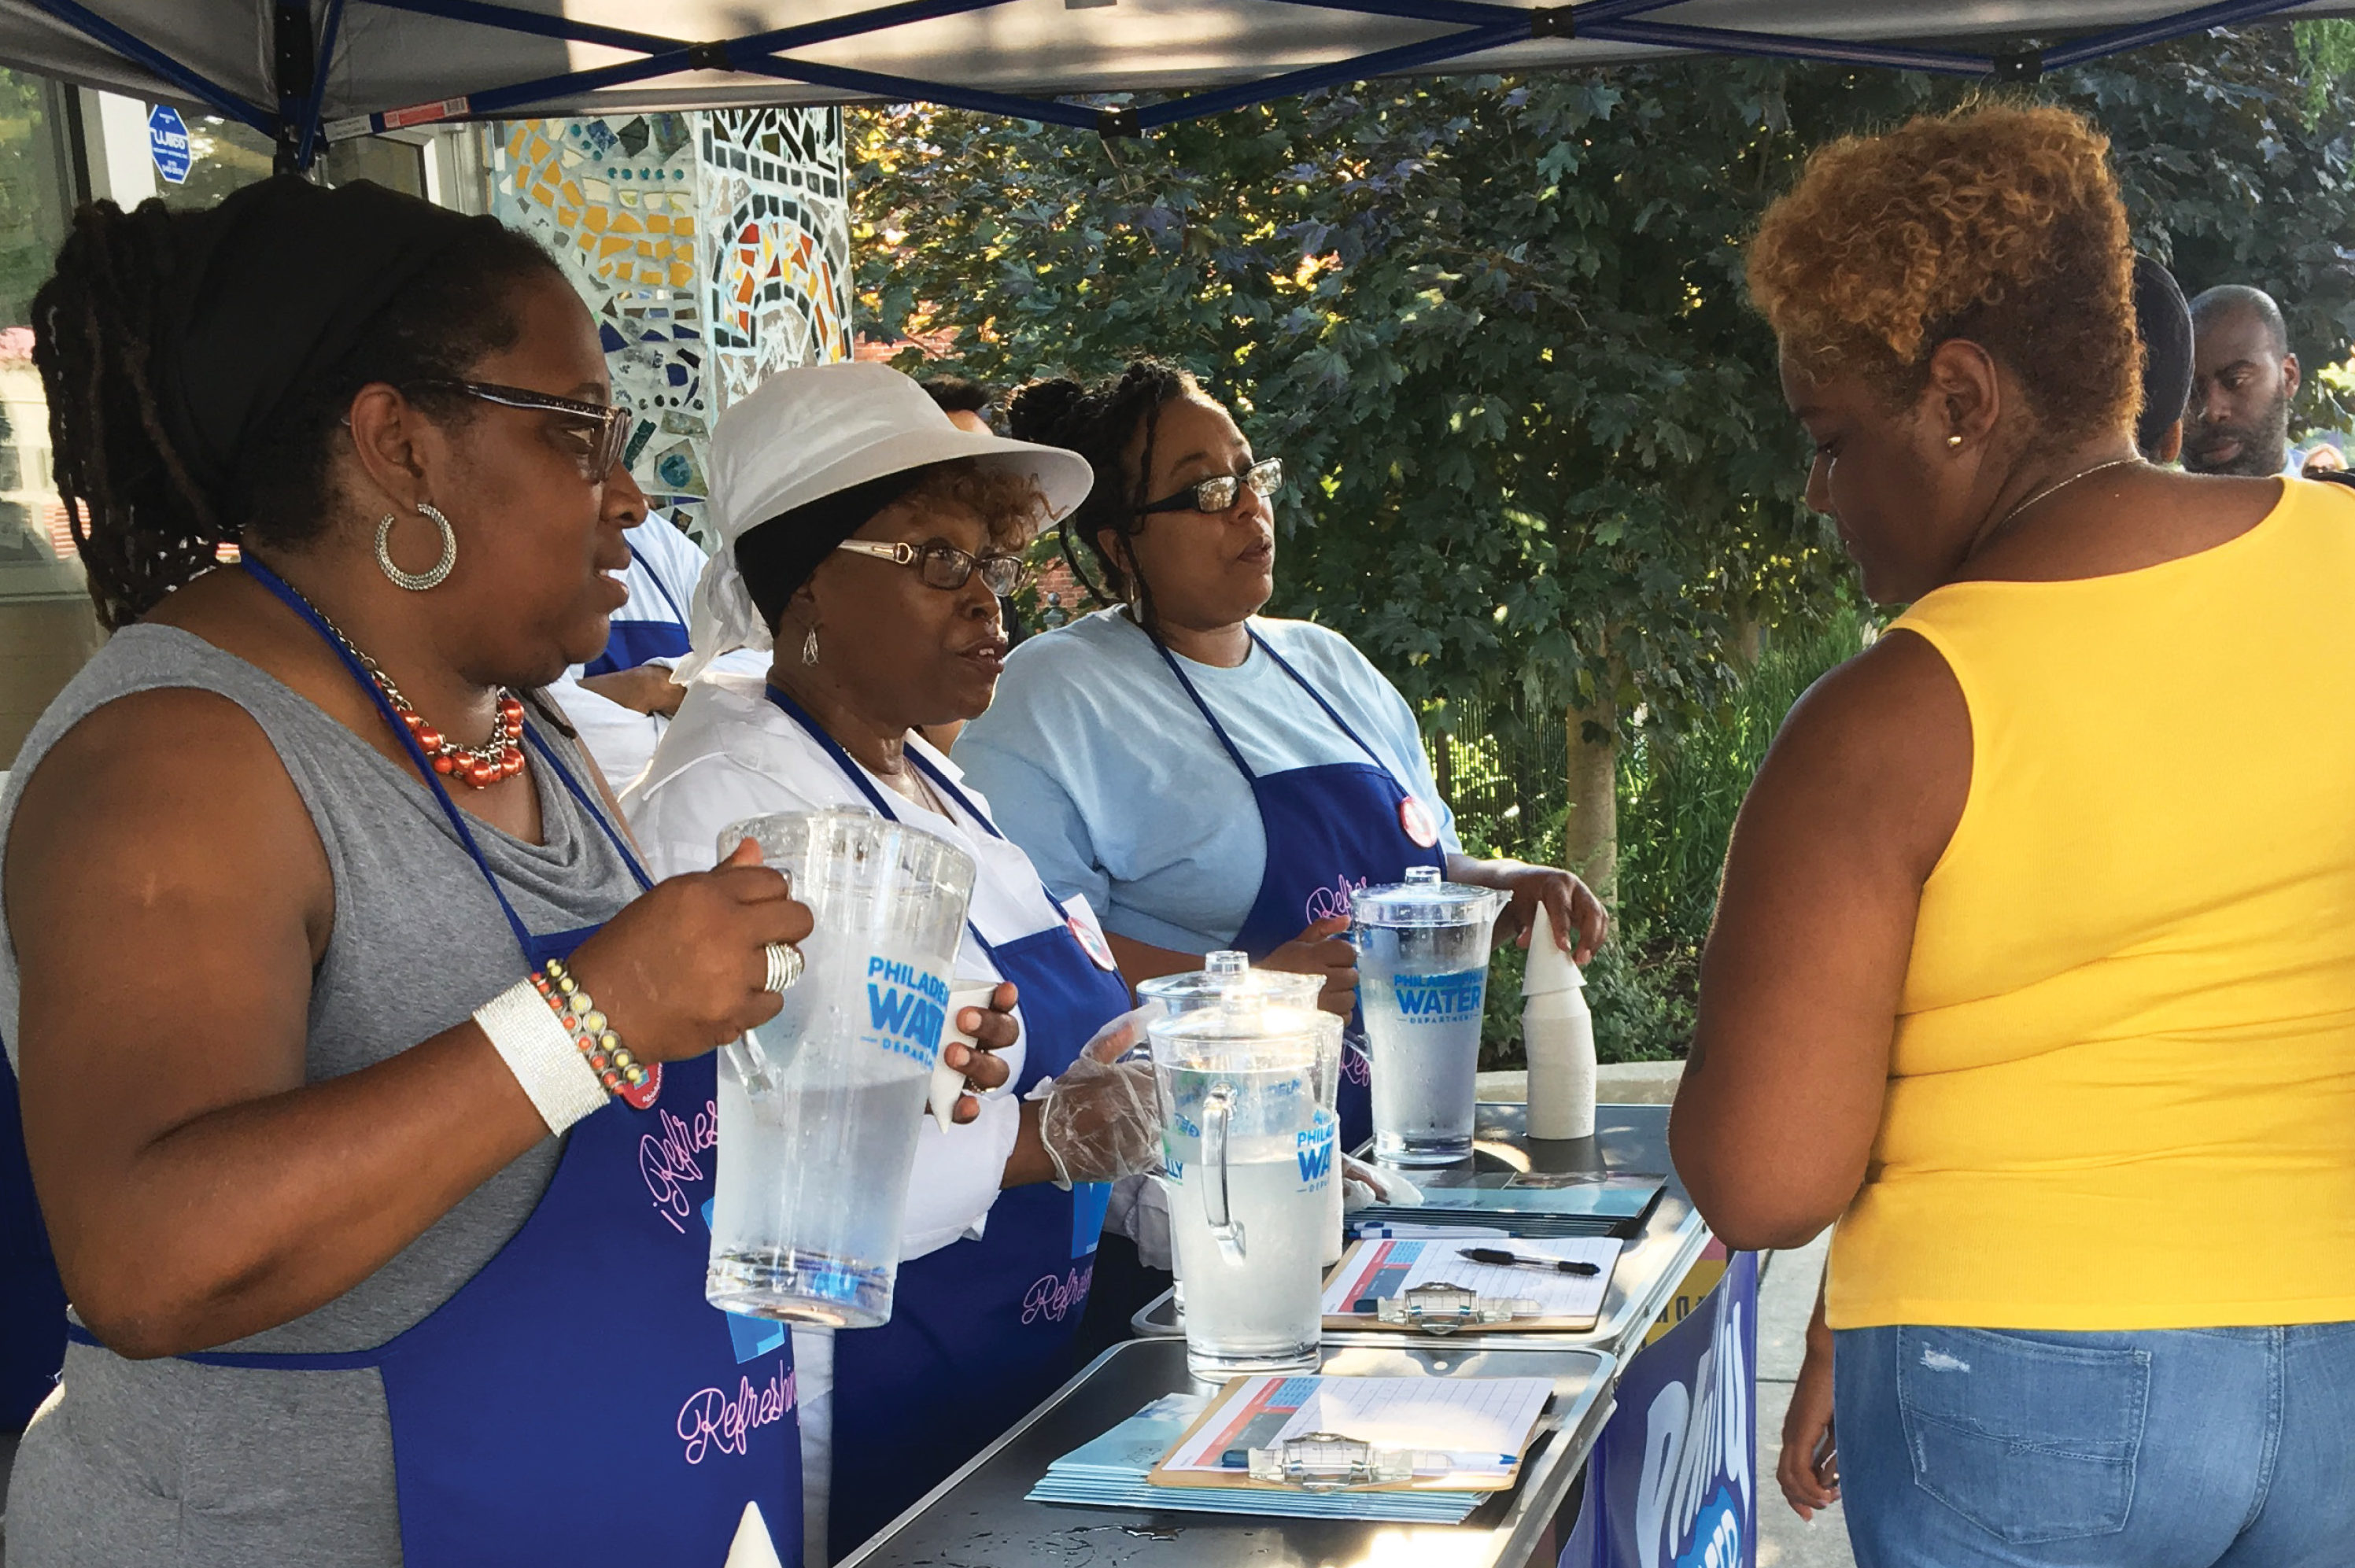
301, 60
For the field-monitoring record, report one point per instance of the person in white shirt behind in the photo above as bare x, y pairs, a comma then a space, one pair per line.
865, 540
620, 700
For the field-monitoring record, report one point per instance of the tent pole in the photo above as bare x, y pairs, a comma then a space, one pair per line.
315, 106
294, 71
2159, 31
1359, 67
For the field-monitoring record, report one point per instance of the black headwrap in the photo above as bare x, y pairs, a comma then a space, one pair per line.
2163, 322
780, 555
274, 287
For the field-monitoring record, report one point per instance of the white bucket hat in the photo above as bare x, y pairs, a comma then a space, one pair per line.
805, 434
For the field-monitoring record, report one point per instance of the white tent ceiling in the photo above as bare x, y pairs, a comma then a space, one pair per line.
387, 55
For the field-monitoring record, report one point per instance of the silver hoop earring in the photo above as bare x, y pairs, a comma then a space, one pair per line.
434, 575
809, 647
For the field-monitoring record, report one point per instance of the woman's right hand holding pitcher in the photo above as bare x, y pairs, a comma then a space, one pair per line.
685, 967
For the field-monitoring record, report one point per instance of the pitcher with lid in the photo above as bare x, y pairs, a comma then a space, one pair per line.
1229, 974
1423, 981
819, 1107
1251, 1153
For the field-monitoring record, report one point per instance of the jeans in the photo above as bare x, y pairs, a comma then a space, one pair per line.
2154, 1447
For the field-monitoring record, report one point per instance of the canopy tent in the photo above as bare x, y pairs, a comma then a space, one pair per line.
307, 70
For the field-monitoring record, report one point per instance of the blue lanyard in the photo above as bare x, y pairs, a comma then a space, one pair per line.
858, 775
1297, 679
301, 607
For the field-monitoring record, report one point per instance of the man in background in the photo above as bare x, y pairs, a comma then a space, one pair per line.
2243, 378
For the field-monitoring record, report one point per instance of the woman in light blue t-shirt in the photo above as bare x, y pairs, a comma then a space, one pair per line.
1207, 777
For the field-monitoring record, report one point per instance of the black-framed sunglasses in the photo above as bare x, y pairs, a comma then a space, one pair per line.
602, 429
1214, 496
943, 565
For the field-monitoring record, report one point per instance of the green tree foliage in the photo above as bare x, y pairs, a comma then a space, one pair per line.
32, 194
1497, 329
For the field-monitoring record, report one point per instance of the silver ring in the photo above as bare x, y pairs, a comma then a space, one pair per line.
784, 966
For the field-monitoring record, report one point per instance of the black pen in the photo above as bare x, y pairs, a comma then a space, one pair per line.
1514, 1260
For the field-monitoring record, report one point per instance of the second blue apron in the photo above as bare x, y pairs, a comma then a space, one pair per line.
1331, 830
979, 1328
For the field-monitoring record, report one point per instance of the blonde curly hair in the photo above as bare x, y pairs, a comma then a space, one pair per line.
2000, 223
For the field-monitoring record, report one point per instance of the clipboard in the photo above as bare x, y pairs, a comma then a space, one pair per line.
1269, 1434
1423, 1285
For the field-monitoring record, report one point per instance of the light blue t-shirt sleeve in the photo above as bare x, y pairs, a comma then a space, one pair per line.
1031, 807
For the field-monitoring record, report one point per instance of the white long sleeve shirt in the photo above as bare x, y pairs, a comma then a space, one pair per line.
731, 754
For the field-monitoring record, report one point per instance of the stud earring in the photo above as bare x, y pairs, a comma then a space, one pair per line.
1954, 441
809, 647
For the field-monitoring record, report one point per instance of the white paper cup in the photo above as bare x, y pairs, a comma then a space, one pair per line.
948, 1083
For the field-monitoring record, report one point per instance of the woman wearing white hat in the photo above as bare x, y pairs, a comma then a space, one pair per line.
866, 539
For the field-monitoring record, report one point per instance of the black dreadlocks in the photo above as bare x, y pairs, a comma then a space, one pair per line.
143, 524
1098, 422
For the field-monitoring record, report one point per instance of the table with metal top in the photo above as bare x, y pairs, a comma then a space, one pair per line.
978, 1518
1653, 1263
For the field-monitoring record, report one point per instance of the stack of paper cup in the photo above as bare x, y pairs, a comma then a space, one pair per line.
1558, 1032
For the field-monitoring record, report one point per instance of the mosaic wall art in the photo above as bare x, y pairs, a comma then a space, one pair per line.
713, 249
778, 261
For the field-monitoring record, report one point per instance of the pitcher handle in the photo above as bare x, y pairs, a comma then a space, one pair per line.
1217, 1110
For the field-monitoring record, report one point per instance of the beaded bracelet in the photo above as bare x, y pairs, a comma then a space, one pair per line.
591, 1031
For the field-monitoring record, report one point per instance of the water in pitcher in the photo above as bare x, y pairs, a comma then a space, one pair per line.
1259, 1314
1423, 978
797, 1228
1423, 1034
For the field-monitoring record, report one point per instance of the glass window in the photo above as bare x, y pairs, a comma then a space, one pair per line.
47, 626
224, 155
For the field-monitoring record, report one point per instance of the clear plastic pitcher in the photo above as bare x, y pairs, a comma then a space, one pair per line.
819, 1107
1422, 980
1250, 1151
1230, 973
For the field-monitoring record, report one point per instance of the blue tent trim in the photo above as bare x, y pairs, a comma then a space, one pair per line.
297, 126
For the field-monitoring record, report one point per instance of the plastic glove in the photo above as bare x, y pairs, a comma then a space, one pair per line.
1102, 1118
1140, 1211
1363, 1186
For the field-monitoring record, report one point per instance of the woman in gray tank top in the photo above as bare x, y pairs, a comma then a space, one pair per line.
365, 1261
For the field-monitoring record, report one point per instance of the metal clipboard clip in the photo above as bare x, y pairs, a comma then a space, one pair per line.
1442, 1308
1328, 1462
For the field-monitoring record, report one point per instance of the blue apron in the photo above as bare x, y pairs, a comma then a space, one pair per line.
577, 1401
1331, 830
32, 1301
629, 644
979, 1328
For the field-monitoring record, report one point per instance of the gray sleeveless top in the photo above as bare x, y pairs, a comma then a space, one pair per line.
166, 1462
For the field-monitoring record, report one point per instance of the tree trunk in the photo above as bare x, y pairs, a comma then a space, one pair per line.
1590, 839
1748, 639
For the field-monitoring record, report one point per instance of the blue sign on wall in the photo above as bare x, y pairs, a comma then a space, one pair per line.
1673, 1482
167, 141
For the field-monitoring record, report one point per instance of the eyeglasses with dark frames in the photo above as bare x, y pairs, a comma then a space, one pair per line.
602, 429
943, 565
1215, 496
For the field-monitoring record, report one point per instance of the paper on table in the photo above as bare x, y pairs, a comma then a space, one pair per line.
1383, 1268
1480, 1425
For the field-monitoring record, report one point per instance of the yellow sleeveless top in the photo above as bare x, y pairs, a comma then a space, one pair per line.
2122, 1090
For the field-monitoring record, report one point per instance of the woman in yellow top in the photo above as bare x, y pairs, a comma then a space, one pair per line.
2035, 962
